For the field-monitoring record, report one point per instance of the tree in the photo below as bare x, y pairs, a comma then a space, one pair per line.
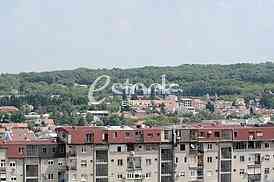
210, 107
89, 118
82, 121
268, 101
115, 120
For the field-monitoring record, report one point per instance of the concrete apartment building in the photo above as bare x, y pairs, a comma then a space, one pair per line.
208, 152
32, 161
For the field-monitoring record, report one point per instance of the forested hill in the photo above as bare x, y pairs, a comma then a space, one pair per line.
195, 79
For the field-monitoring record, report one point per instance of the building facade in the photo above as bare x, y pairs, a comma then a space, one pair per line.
209, 152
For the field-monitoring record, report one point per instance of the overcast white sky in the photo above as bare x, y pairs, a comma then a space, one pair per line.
39, 35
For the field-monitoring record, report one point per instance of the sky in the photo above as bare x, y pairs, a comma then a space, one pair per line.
44, 35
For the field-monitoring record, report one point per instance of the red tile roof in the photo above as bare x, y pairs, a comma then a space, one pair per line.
8, 109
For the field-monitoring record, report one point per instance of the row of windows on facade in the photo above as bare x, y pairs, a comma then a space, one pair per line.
242, 158
237, 145
131, 162
51, 162
4, 178
119, 176
89, 137
129, 148
11, 164
34, 149
250, 145
195, 173
137, 162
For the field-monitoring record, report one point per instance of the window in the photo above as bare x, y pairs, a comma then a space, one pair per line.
193, 173
166, 134
209, 159
258, 145
148, 162
239, 145
226, 153
225, 177
44, 150
60, 163
127, 134
88, 138
62, 149
130, 147
217, 134
182, 147
185, 160
50, 176
120, 162
267, 157
242, 171
242, 158
130, 175
119, 176
21, 150
235, 134
251, 145
225, 166
176, 160
53, 149
119, 149
266, 171
209, 146
12, 164
13, 178
84, 163
50, 162
148, 175
257, 158
148, 147
266, 145
84, 149
134, 162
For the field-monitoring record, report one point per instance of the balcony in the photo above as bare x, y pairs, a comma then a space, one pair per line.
72, 165
71, 154
73, 168
3, 169
252, 166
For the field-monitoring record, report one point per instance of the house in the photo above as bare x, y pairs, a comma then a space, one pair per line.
8, 109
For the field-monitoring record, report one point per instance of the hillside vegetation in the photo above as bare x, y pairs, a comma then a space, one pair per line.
196, 80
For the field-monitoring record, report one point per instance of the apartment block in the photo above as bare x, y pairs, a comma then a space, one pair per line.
207, 152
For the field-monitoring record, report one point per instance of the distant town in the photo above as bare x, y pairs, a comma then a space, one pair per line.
142, 138
51, 132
